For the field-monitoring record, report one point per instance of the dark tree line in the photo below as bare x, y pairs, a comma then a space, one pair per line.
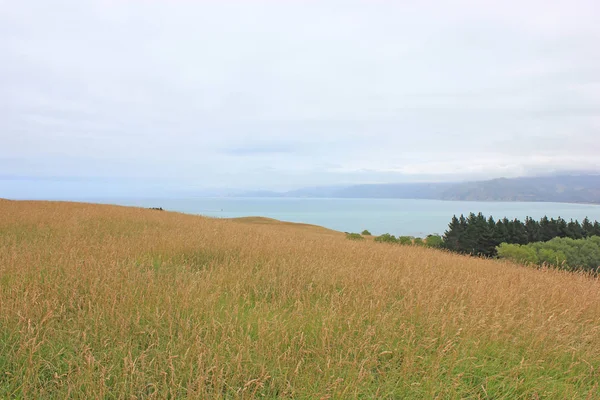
478, 235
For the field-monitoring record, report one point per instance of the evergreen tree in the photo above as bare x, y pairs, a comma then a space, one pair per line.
501, 232
471, 235
575, 231
579, 229
562, 228
462, 223
486, 244
492, 226
512, 233
491, 222
545, 230
477, 235
519, 232
533, 230
554, 231
596, 228
588, 227
452, 235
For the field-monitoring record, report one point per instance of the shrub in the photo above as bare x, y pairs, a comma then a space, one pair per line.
366, 233
518, 253
551, 257
405, 240
435, 241
354, 236
418, 242
386, 238
566, 253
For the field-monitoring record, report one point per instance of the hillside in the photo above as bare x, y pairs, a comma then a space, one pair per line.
567, 189
103, 301
560, 188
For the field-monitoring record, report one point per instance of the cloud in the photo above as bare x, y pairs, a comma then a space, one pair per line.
269, 94
260, 149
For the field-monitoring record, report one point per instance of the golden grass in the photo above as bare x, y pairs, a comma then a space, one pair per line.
271, 221
113, 302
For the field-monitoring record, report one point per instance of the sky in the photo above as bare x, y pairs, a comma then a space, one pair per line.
146, 96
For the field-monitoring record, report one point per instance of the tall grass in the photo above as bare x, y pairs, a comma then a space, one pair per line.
114, 302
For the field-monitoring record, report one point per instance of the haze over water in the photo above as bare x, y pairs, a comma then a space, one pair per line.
395, 216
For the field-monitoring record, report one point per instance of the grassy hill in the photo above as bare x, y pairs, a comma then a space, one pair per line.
115, 302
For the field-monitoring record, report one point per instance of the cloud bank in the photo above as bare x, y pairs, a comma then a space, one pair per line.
277, 95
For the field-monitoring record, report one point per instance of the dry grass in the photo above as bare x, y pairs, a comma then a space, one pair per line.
113, 302
271, 221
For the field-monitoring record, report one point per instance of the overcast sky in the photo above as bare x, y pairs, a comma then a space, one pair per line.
283, 94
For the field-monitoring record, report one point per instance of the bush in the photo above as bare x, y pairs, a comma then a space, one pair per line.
354, 236
551, 257
518, 253
418, 242
405, 240
435, 241
386, 238
563, 253
366, 233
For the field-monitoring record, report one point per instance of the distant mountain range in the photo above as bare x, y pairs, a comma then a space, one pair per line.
559, 188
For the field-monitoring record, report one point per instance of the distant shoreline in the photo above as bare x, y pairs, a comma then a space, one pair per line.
401, 217
93, 200
573, 188
404, 198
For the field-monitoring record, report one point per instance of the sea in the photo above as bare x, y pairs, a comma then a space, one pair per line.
396, 216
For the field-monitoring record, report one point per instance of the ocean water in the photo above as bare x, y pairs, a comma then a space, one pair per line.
395, 216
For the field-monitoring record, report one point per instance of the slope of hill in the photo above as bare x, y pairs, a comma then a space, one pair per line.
103, 301
568, 188
563, 188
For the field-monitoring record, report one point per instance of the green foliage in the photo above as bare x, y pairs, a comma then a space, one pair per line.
518, 253
477, 235
435, 241
564, 253
405, 240
418, 242
551, 257
386, 238
366, 233
354, 236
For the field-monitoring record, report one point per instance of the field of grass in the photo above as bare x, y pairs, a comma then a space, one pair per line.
111, 302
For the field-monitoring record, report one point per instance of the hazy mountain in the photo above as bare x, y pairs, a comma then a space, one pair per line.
563, 188
395, 191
